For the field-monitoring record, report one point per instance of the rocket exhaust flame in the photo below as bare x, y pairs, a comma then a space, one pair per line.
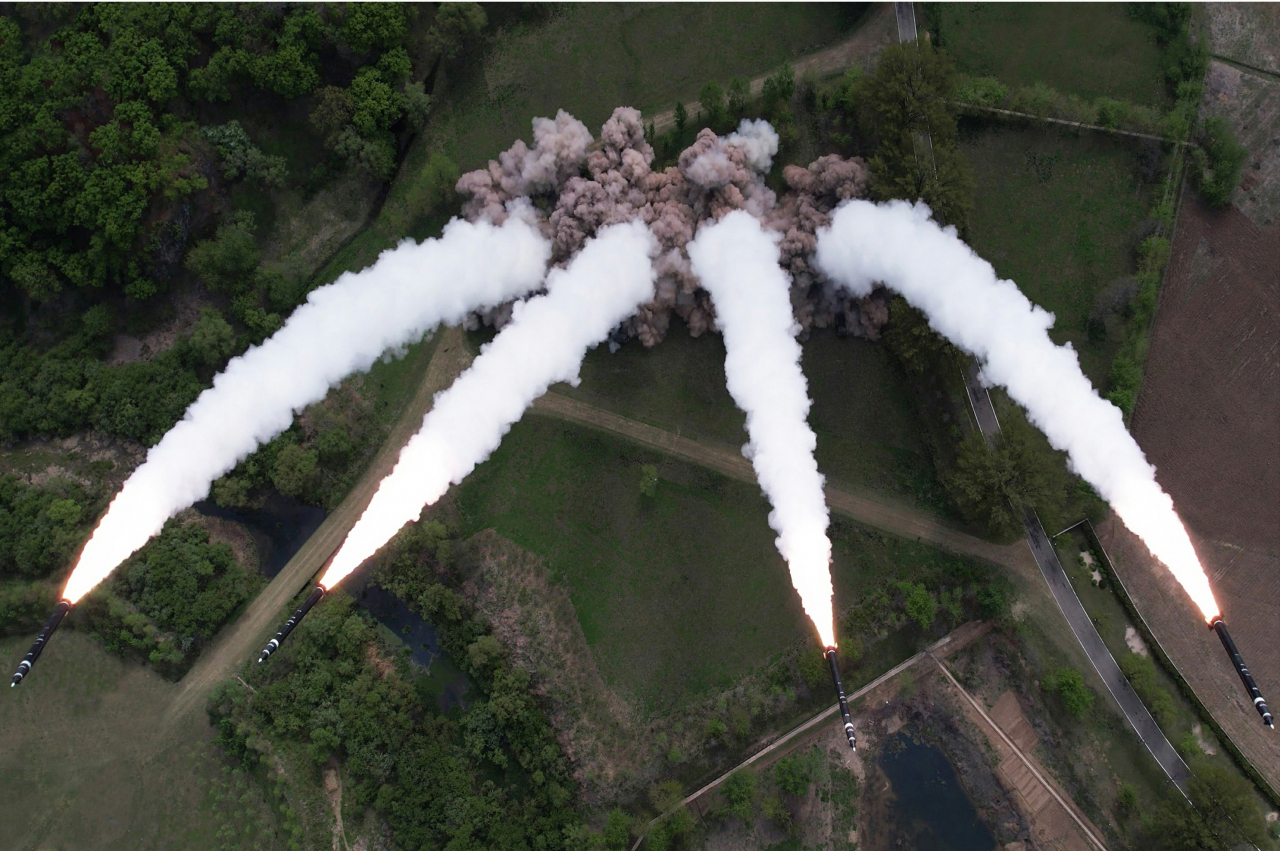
834, 662
1220, 627
274, 644
24, 667
343, 327
897, 243
544, 343
737, 262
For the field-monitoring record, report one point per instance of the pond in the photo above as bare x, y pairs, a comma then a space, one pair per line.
930, 810
279, 528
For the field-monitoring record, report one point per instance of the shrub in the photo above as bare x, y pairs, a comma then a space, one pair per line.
1076, 697
981, 91
1141, 673
740, 795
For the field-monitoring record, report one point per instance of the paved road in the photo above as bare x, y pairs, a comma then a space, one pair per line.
906, 13
1077, 618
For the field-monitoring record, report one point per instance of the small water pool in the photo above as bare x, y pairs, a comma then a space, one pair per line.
930, 808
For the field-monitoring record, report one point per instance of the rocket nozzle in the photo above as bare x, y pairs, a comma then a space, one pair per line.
1219, 626
24, 667
274, 644
834, 662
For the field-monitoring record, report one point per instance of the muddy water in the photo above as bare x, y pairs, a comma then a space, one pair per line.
929, 811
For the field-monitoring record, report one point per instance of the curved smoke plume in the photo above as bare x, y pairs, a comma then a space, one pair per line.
581, 187
737, 261
343, 328
898, 244
544, 343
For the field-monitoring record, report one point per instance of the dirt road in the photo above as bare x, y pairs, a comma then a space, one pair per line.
872, 509
879, 29
244, 638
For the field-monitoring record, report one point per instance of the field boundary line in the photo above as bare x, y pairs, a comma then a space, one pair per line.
1021, 756
964, 634
1080, 125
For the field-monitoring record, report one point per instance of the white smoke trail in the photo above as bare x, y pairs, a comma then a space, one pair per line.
897, 244
344, 327
737, 263
544, 343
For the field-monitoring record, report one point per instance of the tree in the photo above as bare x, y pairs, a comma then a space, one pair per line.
1076, 697
792, 775
739, 96
916, 155
813, 669
1220, 813
1218, 162
779, 88
456, 26
294, 470
995, 486
740, 794
682, 116
912, 342
712, 99
226, 263
920, 605
371, 26
212, 340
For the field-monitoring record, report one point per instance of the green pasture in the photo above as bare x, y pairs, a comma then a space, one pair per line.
1086, 49
679, 594
1058, 214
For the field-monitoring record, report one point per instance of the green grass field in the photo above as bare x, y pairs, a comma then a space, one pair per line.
679, 594
590, 58
1091, 50
1057, 214
84, 762
869, 434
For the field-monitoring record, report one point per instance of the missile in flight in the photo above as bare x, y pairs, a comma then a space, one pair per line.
274, 644
830, 653
1219, 626
24, 667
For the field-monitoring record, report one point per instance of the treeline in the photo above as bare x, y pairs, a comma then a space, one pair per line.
490, 775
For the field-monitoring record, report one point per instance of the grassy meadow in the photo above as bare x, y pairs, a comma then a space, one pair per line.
1058, 214
679, 594
1090, 50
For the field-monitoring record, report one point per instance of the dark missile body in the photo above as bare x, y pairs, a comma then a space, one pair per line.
1220, 627
274, 644
844, 703
24, 667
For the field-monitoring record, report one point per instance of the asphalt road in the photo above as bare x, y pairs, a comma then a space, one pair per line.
1077, 618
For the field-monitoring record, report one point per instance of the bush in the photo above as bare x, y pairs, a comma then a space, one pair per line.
1076, 697
792, 775
740, 795
1218, 162
1141, 673
919, 604
981, 91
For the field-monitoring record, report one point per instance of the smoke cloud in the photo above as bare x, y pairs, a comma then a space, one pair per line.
737, 262
582, 187
898, 244
343, 327
544, 343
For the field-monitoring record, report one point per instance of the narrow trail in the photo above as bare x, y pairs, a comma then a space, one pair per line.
244, 638
868, 508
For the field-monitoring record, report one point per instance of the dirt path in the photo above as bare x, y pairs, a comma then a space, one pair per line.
872, 509
879, 29
243, 639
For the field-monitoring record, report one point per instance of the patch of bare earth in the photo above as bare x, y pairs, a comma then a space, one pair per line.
187, 301
1246, 32
228, 532
315, 227
1209, 420
1250, 103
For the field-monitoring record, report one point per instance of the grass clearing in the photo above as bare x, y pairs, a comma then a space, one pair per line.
590, 58
1058, 214
83, 766
1091, 50
679, 594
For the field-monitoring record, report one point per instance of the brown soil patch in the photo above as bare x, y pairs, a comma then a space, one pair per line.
1246, 32
1209, 420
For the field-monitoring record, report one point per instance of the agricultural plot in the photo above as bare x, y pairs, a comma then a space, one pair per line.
1060, 214
1021, 44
